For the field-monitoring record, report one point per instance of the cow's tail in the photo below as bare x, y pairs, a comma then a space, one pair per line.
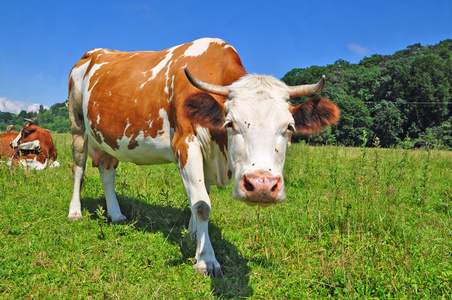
79, 138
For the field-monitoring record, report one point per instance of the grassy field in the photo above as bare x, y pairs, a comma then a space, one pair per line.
358, 224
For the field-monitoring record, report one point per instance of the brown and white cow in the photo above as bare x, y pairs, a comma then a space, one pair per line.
33, 148
5, 144
146, 108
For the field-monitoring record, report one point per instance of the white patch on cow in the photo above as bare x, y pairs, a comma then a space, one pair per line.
98, 119
15, 142
167, 78
54, 164
164, 116
82, 83
172, 89
124, 141
156, 150
33, 164
200, 46
33, 145
133, 55
159, 67
90, 52
91, 73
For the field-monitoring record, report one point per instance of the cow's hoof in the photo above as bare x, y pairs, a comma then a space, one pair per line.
209, 270
119, 219
75, 216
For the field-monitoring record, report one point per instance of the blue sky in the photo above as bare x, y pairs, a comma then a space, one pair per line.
41, 40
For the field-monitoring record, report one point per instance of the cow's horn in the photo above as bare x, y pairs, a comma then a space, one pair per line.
30, 121
207, 87
307, 89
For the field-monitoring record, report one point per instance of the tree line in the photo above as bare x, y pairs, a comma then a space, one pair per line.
55, 119
388, 100
385, 100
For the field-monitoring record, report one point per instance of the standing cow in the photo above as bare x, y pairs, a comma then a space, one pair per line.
147, 108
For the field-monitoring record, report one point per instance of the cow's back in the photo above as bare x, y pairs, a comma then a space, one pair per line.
132, 101
5, 141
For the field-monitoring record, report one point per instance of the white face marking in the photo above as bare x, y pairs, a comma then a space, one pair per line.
259, 111
15, 142
30, 145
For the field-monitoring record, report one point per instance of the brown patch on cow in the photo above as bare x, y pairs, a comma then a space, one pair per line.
204, 110
202, 210
180, 148
5, 141
132, 145
220, 137
314, 114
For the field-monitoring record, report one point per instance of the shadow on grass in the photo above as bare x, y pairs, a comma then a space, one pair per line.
172, 222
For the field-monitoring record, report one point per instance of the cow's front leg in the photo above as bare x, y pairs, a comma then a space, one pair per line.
107, 176
193, 179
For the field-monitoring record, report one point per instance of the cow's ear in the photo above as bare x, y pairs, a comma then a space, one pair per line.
28, 130
314, 114
204, 110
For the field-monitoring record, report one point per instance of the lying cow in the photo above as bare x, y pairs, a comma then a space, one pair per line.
32, 147
10, 128
147, 108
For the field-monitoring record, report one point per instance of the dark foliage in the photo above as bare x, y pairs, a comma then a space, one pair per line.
396, 98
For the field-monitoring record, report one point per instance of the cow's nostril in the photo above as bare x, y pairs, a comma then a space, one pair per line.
248, 186
274, 187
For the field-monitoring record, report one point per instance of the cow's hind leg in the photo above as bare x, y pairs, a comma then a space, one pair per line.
79, 151
107, 176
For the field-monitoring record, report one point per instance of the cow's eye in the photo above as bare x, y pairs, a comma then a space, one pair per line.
291, 128
229, 124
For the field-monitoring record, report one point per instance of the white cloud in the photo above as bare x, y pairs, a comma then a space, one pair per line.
357, 49
16, 107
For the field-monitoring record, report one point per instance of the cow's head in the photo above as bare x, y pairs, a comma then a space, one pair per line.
260, 121
27, 140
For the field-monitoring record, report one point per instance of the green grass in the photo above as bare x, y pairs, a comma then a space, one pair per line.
359, 223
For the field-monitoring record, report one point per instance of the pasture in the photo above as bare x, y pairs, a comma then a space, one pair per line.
359, 223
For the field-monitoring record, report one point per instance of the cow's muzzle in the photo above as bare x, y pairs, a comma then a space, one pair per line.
262, 188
